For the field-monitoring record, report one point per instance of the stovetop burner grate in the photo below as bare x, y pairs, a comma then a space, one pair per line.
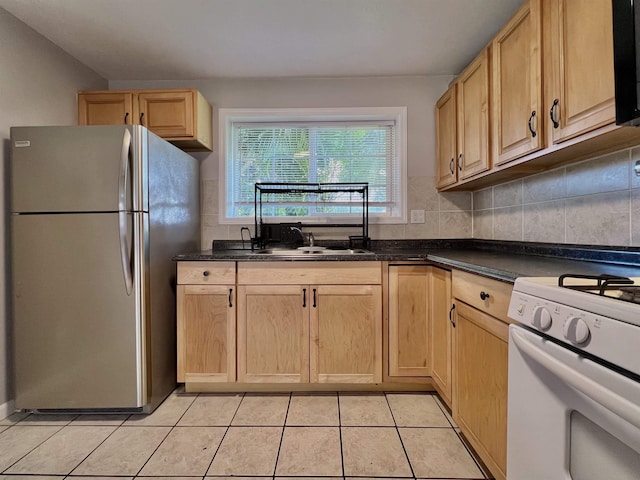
626, 287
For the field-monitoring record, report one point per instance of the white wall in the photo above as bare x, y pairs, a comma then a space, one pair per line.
37, 87
447, 215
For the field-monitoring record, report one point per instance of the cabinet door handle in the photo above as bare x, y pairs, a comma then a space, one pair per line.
453, 307
553, 113
451, 166
141, 118
460, 162
304, 298
531, 119
484, 295
205, 273
230, 297
315, 304
126, 116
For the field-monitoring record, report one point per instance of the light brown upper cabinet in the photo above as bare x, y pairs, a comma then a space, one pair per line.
517, 86
446, 138
180, 116
105, 108
579, 81
473, 117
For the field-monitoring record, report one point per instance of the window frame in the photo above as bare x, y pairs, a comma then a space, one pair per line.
228, 116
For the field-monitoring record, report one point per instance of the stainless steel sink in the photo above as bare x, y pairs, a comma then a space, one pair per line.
296, 252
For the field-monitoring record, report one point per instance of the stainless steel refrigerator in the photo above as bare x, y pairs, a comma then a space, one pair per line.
97, 212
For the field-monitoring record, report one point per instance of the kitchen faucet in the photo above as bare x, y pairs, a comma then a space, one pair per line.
307, 237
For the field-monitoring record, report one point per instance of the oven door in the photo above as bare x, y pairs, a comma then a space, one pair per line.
568, 417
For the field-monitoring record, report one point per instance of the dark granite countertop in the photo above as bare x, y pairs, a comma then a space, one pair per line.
503, 261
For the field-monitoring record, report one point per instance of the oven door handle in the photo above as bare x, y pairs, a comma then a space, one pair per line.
613, 402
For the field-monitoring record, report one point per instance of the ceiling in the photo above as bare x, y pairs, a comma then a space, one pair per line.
190, 39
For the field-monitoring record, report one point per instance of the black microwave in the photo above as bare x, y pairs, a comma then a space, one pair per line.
626, 60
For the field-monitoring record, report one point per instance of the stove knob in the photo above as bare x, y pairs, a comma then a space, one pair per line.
541, 319
576, 330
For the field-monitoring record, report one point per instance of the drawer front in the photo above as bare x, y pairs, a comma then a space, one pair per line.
206, 273
487, 295
296, 273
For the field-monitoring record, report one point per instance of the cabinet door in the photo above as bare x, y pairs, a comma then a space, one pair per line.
480, 398
206, 333
106, 108
473, 117
167, 114
273, 334
346, 334
446, 152
517, 86
441, 326
409, 346
579, 35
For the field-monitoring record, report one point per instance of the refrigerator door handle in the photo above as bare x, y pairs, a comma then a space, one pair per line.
123, 182
125, 251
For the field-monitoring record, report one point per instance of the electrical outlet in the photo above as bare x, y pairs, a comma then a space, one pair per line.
417, 216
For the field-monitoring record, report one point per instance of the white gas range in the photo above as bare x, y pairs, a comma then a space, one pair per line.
574, 378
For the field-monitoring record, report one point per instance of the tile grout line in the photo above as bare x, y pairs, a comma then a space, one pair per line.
464, 442
275, 467
340, 435
36, 446
446, 414
224, 436
168, 433
395, 424
97, 446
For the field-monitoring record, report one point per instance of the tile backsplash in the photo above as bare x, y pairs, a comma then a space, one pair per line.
593, 202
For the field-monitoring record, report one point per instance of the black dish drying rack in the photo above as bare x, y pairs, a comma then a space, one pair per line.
305, 193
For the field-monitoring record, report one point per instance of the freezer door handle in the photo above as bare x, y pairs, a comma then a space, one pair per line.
126, 251
606, 398
123, 182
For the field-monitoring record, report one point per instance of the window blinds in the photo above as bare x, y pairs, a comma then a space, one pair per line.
322, 152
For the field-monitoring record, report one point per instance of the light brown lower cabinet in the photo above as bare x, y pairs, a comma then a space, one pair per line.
309, 333
409, 302
206, 322
441, 334
273, 334
419, 329
480, 384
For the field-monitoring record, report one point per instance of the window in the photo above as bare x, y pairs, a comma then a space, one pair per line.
314, 146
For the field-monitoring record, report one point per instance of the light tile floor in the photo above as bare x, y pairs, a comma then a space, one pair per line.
193, 436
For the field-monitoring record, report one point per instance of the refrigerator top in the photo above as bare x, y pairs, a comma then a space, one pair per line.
72, 169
